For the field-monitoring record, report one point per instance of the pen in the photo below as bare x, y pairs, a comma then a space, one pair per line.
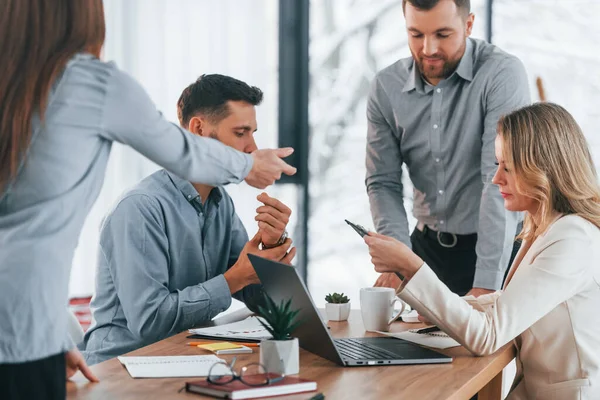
318, 396
428, 329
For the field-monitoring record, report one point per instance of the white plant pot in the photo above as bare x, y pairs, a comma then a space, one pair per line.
280, 356
337, 312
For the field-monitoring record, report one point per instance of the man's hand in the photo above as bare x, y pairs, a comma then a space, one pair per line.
75, 362
476, 292
242, 274
272, 218
268, 167
388, 279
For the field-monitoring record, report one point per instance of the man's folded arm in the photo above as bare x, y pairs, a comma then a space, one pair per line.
250, 294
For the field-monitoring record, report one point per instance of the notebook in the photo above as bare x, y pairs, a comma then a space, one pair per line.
437, 333
169, 366
249, 330
239, 390
436, 340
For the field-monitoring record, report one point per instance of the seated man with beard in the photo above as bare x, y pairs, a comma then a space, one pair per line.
172, 252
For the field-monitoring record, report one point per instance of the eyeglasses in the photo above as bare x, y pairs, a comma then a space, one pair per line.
254, 374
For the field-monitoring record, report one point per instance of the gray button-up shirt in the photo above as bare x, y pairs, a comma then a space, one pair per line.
445, 134
90, 105
160, 265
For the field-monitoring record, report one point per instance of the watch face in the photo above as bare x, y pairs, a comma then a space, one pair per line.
282, 238
281, 241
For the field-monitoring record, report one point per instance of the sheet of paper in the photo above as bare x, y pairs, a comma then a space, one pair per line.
424, 339
411, 316
169, 366
249, 329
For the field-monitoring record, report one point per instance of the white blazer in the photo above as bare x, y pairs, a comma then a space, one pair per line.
550, 308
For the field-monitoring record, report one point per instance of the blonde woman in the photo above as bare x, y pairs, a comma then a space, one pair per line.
549, 305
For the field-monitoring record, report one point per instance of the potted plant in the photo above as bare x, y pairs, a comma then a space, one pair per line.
282, 353
337, 307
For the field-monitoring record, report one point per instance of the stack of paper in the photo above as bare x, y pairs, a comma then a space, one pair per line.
169, 366
249, 329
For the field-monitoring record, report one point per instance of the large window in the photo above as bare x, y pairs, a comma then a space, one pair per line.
350, 41
166, 45
557, 40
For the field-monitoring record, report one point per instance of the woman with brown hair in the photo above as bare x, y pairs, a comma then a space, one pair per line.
549, 305
60, 110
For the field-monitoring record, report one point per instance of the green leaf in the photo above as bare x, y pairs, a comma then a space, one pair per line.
336, 298
279, 319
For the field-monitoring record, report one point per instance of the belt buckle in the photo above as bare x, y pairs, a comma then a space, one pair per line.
448, 246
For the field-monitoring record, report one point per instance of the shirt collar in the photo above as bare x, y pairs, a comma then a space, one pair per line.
464, 70
189, 191
415, 81
414, 76
465, 66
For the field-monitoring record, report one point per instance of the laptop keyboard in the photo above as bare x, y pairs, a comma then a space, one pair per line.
358, 349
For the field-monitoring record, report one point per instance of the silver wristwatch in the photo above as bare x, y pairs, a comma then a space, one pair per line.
281, 241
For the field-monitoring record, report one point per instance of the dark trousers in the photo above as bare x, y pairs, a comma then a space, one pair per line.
40, 379
455, 266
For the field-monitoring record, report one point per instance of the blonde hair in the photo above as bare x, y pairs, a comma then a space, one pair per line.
552, 164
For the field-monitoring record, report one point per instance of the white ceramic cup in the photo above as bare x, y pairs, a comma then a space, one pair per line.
377, 308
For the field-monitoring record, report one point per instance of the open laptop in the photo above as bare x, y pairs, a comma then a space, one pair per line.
282, 282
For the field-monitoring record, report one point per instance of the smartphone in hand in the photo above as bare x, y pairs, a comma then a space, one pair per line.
359, 229
363, 232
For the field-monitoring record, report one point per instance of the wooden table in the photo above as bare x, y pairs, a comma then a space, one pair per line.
461, 379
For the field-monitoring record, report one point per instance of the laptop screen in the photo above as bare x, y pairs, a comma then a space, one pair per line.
282, 282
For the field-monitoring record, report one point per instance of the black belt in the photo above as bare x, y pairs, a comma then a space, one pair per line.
449, 240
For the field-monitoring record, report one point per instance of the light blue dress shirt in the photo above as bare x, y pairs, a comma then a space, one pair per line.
160, 265
90, 105
445, 135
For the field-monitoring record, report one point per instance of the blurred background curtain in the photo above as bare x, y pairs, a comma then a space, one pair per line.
166, 45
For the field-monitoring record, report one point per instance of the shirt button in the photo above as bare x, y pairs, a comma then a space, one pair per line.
439, 90
440, 191
189, 196
437, 160
435, 126
441, 222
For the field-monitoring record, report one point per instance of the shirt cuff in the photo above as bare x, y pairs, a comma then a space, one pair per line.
419, 285
218, 291
488, 279
428, 295
248, 167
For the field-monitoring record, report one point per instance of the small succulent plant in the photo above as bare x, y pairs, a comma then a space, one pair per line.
336, 298
279, 320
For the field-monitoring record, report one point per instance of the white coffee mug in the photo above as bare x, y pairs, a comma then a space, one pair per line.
377, 308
